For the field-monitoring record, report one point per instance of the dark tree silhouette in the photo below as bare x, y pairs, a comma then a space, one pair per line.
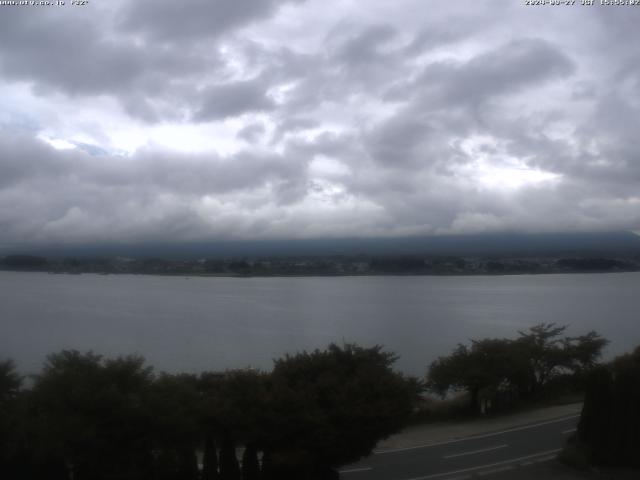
483, 369
250, 463
229, 466
331, 407
177, 432
234, 406
549, 355
91, 418
10, 451
10, 382
210, 458
91, 415
609, 427
510, 369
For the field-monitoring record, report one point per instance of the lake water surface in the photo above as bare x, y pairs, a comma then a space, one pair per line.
200, 323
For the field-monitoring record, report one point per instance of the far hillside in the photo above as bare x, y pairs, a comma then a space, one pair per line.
495, 244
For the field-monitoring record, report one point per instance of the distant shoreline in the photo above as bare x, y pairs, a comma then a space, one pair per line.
328, 266
326, 275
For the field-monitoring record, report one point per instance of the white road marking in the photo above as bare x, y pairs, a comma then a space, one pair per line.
482, 450
495, 470
543, 459
489, 465
567, 432
355, 470
474, 437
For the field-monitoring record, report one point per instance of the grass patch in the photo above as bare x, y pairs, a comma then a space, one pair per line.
434, 409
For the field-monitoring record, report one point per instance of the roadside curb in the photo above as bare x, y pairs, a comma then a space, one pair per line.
449, 432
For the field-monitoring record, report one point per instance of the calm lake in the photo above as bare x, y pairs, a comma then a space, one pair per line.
198, 323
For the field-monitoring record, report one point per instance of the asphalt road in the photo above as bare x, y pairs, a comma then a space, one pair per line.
480, 456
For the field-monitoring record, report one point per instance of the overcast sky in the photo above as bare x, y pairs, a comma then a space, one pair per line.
219, 119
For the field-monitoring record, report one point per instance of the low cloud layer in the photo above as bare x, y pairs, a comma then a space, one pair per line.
300, 119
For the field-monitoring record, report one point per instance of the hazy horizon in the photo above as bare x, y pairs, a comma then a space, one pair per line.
500, 244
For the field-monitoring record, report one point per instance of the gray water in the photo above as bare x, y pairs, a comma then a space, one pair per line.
198, 323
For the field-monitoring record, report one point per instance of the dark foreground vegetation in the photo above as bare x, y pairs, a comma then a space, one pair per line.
543, 365
609, 429
90, 418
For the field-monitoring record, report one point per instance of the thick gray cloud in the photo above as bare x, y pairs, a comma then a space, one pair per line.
510, 68
264, 119
229, 100
166, 20
54, 51
72, 194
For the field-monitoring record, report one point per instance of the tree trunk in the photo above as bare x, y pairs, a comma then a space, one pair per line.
474, 400
229, 467
595, 421
210, 459
250, 464
266, 471
188, 464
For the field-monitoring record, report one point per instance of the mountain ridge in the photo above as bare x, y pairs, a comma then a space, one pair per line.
487, 244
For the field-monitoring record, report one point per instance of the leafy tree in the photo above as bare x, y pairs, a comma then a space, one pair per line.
549, 355
486, 367
10, 384
584, 351
175, 403
609, 427
625, 431
91, 415
510, 369
210, 458
235, 401
595, 420
545, 354
250, 463
328, 408
229, 466
90, 418
234, 406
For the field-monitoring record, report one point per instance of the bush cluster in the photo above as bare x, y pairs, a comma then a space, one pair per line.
88, 417
609, 429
